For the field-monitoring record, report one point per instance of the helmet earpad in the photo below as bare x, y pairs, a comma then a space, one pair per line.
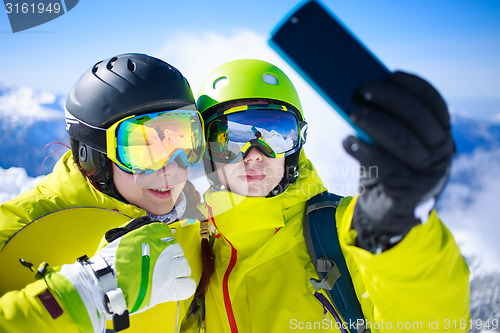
97, 168
292, 167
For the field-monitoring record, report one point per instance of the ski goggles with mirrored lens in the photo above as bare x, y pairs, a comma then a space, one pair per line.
147, 143
273, 129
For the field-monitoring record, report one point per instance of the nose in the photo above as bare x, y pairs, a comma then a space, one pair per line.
254, 155
168, 170
170, 167
167, 174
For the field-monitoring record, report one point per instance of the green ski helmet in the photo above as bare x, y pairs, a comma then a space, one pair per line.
112, 89
246, 79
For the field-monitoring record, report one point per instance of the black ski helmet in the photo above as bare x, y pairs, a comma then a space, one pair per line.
124, 85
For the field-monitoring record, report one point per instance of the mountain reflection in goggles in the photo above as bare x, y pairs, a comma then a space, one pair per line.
147, 143
230, 136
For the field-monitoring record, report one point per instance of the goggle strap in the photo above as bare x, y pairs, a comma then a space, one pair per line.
85, 133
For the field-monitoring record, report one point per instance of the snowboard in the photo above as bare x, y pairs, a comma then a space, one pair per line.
57, 238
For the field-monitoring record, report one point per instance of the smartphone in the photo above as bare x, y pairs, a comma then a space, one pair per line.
327, 55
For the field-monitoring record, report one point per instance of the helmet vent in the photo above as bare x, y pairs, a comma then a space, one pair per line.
96, 67
221, 82
270, 79
110, 63
130, 65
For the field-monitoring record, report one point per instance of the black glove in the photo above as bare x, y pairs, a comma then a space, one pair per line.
136, 223
408, 164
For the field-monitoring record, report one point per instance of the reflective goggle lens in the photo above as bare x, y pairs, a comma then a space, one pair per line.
232, 134
147, 143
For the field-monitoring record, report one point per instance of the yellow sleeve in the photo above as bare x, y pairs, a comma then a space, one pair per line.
24, 311
26, 207
419, 285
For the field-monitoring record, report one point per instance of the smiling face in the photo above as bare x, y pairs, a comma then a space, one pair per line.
156, 193
255, 176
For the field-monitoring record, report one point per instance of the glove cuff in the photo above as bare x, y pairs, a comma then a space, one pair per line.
96, 283
114, 299
379, 236
382, 221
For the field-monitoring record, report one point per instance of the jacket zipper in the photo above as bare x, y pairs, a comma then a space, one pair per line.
225, 281
225, 291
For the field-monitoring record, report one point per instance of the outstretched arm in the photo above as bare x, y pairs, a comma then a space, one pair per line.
407, 268
406, 168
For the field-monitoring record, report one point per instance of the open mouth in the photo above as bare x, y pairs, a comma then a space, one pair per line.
161, 192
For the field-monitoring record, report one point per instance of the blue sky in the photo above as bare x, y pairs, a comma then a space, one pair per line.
453, 43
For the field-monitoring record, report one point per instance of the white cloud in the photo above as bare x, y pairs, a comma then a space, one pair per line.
197, 54
496, 118
14, 181
470, 206
27, 105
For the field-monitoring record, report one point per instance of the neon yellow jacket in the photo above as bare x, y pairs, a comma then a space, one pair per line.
65, 187
261, 279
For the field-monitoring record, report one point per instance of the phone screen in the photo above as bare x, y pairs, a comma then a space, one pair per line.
327, 55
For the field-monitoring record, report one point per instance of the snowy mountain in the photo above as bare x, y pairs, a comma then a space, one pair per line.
478, 156
470, 134
485, 302
30, 119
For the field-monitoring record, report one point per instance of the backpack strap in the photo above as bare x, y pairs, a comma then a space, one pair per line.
320, 233
322, 265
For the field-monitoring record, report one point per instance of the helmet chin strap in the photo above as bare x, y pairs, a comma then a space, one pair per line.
280, 188
289, 177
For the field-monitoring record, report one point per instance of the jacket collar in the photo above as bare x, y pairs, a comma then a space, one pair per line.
248, 222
